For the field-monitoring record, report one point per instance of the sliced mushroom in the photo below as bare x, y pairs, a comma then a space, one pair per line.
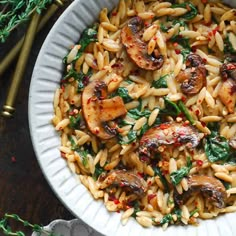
127, 180
227, 91
227, 94
97, 110
228, 71
137, 48
193, 78
174, 133
209, 187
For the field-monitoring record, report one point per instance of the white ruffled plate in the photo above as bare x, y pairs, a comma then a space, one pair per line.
46, 76
68, 228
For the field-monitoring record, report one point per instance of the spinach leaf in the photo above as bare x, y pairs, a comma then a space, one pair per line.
178, 175
74, 121
123, 93
157, 172
98, 171
160, 83
131, 137
137, 112
144, 128
136, 207
166, 219
163, 27
171, 108
193, 212
192, 11
228, 47
84, 155
178, 213
82, 78
73, 144
88, 35
216, 147
184, 109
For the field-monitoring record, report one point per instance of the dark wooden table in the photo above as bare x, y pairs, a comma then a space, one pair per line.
23, 188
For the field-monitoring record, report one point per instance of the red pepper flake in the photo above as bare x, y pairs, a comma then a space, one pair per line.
177, 51
114, 13
183, 98
215, 30
188, 7
204, 1
89, 100
155, 38
140, 174
116, 201
13, 159
194, 48
164, 126
204, 60
146, 23
175, 44
197, 112
231, 67
199, 162
151, 196
62, 88
203, 124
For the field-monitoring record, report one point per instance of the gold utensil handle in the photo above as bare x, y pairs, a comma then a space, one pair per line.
15, 50
21, 65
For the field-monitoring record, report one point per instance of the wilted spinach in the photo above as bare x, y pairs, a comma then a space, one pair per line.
170, 109
88, 35
184, 109
160, 83
74, 121
216, 147
84, 155
131, 137
157, 172
192, 11
178, 175
98, 171
82, 78
123, 93
166, 219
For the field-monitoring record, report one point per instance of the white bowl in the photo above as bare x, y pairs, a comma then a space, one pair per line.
46, 76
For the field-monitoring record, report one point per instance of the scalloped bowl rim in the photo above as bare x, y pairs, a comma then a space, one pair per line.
46, 141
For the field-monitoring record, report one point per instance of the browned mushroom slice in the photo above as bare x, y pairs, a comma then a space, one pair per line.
228, 71
94, 105
129, 181
209, 187
227, 94
174, 133
193, 78
137, 49
111, 108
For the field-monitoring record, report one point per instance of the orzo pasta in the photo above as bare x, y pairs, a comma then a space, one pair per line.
146, 110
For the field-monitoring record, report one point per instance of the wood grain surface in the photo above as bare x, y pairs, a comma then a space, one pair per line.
23, 188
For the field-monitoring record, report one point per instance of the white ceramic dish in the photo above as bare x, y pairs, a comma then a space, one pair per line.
45, 79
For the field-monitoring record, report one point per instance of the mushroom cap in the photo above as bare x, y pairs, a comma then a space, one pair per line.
129, 181
209, 187
193, 78
97, 110
173, 133
137, 49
